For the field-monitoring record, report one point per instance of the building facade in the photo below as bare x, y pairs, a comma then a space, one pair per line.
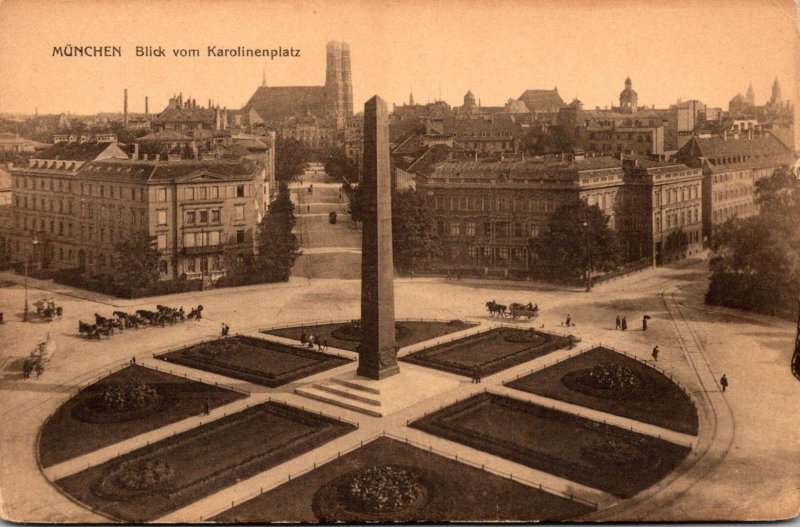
76, 210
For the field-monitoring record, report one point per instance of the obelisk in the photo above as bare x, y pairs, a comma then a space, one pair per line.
377, 351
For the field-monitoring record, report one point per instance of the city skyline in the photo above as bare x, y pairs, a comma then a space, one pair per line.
588, 57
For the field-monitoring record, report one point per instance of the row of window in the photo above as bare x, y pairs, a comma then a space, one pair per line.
725, 213
676, 195
679, 219
209, 192
486, 229
489, 203
733, 193
482, 254
84, 189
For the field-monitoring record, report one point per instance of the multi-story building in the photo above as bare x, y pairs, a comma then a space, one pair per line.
486, 211
78, 201
662, 210
731, 165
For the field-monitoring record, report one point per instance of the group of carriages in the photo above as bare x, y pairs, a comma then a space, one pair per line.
47, 309
121, 320
515, 310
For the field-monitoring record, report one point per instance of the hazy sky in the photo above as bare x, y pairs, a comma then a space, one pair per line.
671, 49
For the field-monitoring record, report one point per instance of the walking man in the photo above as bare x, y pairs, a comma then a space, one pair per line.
476, 375
655, 354
206, 406
619, 322
723, 382
569, 320
624, 323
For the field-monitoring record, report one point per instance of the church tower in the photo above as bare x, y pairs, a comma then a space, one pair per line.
628, 98
338, 80
776, 93
751, 95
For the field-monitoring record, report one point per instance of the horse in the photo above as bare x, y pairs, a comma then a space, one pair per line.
90, 330
496, 309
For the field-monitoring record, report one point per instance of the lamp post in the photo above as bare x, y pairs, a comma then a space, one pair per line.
588, 255
34, 243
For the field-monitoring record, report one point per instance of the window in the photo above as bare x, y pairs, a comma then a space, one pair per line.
239, 212
471, 228
203, 216
240, 236
190, 265
519, 230
215, 215
162, 217
213, 238
161, 195
213, 192
201, 193
487, 229
189, 193
190, 217
162, 241
455, 228
188, 239
473, 252
163, 266
239, 191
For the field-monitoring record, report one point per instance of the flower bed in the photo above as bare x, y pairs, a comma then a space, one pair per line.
86, 422
608, 381
581, 450
488, 352
347, 335
254, 360
147, 483
428, 488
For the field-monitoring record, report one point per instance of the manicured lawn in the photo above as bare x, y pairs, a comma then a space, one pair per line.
254, 360
491, 351
653, 399
409, 332
78, 428
598, 455
454, 492
152, 481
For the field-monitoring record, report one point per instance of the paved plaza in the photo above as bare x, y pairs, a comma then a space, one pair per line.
742, 460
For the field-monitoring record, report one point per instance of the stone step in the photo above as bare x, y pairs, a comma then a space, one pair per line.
345, 391
337, 400
356, 385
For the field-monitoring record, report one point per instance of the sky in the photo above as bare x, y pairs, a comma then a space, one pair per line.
439, 49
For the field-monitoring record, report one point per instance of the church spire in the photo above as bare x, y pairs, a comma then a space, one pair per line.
411, 98
751, 95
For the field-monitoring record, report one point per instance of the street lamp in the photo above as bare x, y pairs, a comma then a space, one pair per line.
588, 255
35, 242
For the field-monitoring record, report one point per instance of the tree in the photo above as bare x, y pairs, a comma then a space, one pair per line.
413, 235
676, 243
339, 167
278, 247
756, 261
136, 261
568, 248
291, 157
555, 139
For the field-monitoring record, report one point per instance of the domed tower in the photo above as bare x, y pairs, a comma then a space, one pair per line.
469, 100
628, 98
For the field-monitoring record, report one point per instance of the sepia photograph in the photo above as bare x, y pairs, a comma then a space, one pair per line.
318, 261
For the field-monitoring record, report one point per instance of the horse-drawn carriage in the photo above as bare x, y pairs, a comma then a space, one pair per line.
528, 310
47, 309
39, 357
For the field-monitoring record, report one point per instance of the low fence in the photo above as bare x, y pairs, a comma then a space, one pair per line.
290, 477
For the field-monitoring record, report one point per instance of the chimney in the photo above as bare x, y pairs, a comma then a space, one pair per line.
146, 110
125, 110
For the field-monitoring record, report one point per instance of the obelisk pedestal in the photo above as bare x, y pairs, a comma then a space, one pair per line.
377, 351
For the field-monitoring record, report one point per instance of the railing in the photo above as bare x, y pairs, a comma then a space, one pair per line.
483, 467
291, 476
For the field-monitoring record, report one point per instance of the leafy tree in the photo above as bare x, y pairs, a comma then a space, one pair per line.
291, 157
676, 243
555, 139
278, 247
136, 261
413, 235
756, 260
338, 166
568, 248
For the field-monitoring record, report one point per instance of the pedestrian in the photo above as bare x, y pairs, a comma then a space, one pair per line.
325, 343
133, 361
206, 406
619, 322
723, 382
569, 320
476, 375
447, 275
655, 354
303, 336
412, 274
624, 323
319, 345
458, 276
644, 322
223, 329
571, 340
